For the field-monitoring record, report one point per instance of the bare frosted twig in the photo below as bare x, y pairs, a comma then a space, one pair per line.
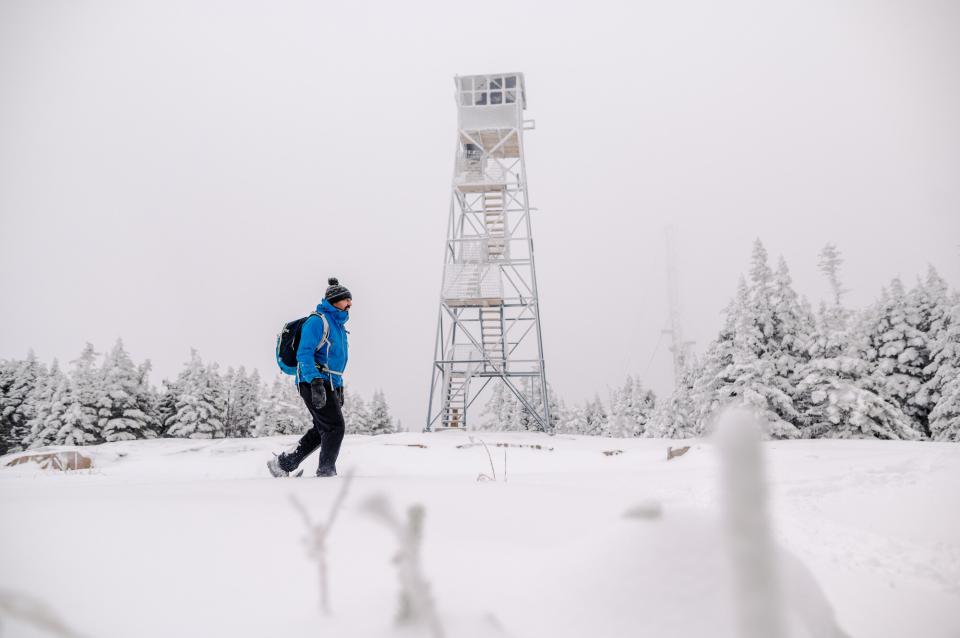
416, 601
493, 471
316, 537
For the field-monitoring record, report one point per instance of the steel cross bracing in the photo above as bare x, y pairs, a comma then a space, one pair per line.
488, 325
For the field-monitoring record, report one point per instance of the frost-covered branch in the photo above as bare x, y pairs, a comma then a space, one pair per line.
416, 601
316, 537
493, 471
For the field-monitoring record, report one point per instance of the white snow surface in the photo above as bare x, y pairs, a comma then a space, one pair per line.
194, 538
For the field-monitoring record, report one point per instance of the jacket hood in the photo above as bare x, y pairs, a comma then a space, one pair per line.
327, 308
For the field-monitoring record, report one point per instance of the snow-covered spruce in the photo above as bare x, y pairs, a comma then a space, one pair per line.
631, 407
200, 402
125, 408
51, 397
242, 403
282, 411
838, 395
944, 385
503, 411
81, 423
19, 380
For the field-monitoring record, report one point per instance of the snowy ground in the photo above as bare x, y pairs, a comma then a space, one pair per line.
192, 538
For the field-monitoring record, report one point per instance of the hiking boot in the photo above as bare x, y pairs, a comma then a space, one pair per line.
278, 465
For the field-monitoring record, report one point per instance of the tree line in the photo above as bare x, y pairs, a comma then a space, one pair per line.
888, 371
107, 398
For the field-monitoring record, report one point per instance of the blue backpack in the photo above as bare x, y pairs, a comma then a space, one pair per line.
289, 340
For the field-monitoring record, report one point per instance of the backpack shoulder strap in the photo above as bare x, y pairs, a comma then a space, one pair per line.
326, 329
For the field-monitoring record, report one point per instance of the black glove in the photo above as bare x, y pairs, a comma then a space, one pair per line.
339, 392
318, 394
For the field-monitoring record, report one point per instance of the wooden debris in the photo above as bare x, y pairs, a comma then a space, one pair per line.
55, 461
680, 451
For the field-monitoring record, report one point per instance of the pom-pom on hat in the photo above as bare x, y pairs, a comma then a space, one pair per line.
336, 292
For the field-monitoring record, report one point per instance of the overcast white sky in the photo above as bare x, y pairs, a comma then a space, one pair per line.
186, 173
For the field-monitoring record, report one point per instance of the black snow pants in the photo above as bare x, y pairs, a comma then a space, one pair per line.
326, 433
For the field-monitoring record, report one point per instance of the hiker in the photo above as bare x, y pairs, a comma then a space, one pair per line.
321, 357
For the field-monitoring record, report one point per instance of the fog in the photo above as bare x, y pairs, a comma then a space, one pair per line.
186, 174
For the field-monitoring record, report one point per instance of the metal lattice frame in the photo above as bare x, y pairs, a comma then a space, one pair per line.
488, 325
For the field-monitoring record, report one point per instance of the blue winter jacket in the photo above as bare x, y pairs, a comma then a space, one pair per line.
333, 355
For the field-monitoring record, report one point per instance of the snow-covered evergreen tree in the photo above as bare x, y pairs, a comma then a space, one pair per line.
595, 418
200, 404
831, 339
896, 350
932, 301
677, 417
789, 345
380, 420
167, 404
554, 405
7, 370
249, 398
504, 411
282, 410
356, 415
243, 398
120, 411
754, 376
631, 407
521, 419
945, 381
81, 421
16, 407
569, 419
147, 397
829, 263
830, 364
711, 387
50, 399
845, 406
837, 395
229, 400
497, 411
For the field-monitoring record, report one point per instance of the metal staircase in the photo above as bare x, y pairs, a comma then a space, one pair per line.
455, 399
495, 221
492, 248
491, 334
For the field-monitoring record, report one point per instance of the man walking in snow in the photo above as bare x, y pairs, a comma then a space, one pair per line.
321, 360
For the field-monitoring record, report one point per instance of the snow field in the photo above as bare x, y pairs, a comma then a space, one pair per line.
193, 538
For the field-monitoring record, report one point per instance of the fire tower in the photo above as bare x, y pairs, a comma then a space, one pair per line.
488, 328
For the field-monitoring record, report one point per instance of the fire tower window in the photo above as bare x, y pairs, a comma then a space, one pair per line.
510, 84
476, 91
